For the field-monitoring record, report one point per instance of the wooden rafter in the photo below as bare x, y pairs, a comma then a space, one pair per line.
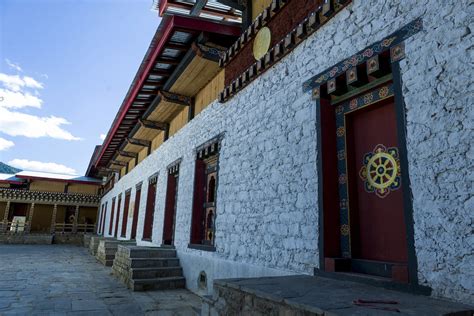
127, 154
162, 126
118, 163
159, 72
197, 8
138, 142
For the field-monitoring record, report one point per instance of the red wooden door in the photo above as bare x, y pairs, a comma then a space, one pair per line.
112, 217
197, 227
136, 210
170, 210
118, 215
103, 220
125, 215
375, 195
150, 210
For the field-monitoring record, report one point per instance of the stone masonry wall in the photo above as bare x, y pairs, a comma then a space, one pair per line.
267, 210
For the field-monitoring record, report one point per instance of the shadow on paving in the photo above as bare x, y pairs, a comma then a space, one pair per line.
66, 280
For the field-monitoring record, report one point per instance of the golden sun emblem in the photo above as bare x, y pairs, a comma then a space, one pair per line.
261, 43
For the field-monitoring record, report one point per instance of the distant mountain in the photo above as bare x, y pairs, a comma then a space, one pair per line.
4, 168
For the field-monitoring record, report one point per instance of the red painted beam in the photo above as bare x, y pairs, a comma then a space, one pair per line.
170, 24
162, 7
11, 182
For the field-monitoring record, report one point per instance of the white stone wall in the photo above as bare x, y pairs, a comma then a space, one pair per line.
267, 210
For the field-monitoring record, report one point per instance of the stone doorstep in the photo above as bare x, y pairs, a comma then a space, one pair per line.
339, 297
158, 284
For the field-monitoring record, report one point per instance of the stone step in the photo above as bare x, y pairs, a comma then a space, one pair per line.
106, 256
158, 284
140, 252
152, 273
153, 262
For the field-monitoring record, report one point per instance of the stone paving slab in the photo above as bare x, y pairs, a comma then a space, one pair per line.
326, 296
67, 280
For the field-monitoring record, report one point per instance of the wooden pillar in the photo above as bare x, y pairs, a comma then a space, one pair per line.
30, 218
53, 218
5, 217
76, 219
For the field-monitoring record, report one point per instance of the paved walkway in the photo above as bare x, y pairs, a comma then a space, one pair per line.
67, 280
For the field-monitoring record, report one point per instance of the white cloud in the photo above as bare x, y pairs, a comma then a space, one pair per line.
5, 144
33, 165
13, 65
102, 136
21, 92
16, 83
32, 83
20, 124
18, 99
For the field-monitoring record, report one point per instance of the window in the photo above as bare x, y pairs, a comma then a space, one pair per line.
205, 190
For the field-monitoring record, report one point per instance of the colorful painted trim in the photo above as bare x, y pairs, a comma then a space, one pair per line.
312, 23
341, 110
42, 197
394, 42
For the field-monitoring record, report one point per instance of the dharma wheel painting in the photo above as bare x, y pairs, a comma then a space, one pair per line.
381, 170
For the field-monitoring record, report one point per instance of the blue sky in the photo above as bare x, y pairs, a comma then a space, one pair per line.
65, 67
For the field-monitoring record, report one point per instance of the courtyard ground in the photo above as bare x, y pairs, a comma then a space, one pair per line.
67, 280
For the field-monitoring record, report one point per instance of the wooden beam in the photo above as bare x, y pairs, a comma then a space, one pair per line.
138, 142
105, 169
197, 8
175, 98
162, 126
118, 163
128, 154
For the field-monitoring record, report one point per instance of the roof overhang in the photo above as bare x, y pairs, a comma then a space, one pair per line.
174, 40
10, 179
225, 11
26, 175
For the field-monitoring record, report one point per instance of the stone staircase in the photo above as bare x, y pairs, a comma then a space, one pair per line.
107, 249
94, 244
145, 268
